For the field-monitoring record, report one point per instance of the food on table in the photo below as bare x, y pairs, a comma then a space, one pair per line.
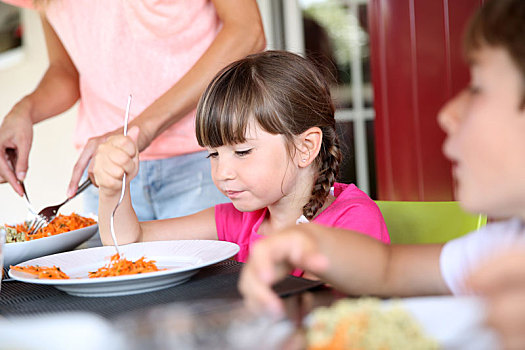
61, 224
366, 324
116, 267
121, 266
42, 272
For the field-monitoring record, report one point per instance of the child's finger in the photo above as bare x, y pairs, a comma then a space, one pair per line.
267, 265
110, 164
125, 143
304, 254
257, 293
122, 162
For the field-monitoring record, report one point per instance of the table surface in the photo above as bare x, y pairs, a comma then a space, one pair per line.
218, 281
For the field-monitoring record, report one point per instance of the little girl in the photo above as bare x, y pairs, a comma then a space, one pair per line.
268, 124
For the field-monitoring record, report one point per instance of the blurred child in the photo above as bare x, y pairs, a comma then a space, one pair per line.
268, 124
485, 126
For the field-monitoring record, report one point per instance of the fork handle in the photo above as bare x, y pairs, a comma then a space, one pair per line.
83, 186
80, 188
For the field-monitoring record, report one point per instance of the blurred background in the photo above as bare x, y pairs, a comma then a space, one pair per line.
391, 65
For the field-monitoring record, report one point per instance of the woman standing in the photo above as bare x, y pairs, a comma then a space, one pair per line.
162, 52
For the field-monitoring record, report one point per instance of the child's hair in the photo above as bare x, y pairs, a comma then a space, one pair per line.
285, 94
500, 23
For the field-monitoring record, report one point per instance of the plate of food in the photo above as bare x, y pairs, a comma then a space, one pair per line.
443, 322
64, 233
141, 267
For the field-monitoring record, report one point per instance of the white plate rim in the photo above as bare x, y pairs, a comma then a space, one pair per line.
21, 276
18, 252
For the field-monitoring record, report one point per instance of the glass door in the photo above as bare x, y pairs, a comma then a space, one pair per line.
334, 35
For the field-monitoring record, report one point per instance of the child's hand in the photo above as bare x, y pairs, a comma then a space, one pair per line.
272, 258
118, 155
502, 282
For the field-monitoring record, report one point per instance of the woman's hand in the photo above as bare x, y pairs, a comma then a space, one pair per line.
118, 155
501, 281
16, 132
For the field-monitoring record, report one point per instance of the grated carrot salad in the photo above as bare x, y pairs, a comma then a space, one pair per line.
116, 267
42, 272
120, 266
61, 224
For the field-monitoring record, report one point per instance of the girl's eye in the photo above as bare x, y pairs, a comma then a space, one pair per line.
243, 153
212, 155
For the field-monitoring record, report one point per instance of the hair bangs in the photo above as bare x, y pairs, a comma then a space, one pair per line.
234, 98
224, 111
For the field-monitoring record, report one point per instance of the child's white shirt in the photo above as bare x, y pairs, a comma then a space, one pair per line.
461, 256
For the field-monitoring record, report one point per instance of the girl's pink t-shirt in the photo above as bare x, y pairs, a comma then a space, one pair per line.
352, 210
140, 47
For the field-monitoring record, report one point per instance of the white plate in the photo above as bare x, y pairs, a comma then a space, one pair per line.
15, 253
181, 259
455, 322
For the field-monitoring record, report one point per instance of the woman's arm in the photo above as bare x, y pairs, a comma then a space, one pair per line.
241, 34
59, 88
352, 262
57, 91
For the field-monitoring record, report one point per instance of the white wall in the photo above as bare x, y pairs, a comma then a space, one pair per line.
52, 157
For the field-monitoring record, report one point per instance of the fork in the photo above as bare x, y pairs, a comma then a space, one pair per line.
112, 218
46, 215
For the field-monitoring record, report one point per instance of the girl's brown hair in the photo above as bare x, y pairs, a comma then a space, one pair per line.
285, 94
500, 23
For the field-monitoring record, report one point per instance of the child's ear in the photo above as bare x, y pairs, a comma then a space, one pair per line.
308, 146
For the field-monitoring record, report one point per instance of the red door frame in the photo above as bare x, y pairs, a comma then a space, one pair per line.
417, 65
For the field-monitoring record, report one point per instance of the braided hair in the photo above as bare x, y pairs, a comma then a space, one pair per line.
286, 95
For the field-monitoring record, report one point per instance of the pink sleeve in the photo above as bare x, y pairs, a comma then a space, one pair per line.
361, 215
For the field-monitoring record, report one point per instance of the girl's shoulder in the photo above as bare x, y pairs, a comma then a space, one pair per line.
350, 200
350, 192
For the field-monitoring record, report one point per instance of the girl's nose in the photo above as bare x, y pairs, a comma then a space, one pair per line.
450, 115
223, 170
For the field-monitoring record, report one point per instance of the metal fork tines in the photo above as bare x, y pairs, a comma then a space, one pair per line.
46, 215
35, 225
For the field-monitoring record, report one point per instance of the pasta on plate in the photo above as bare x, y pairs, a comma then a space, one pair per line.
366, 324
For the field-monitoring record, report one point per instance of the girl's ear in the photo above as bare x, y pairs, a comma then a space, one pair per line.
308, 146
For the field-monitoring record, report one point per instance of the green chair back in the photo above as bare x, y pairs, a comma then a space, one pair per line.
427, 222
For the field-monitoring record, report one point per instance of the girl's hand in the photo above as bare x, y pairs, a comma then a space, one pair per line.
501, 281
274, 257
16, 132
91, 147
118, 155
